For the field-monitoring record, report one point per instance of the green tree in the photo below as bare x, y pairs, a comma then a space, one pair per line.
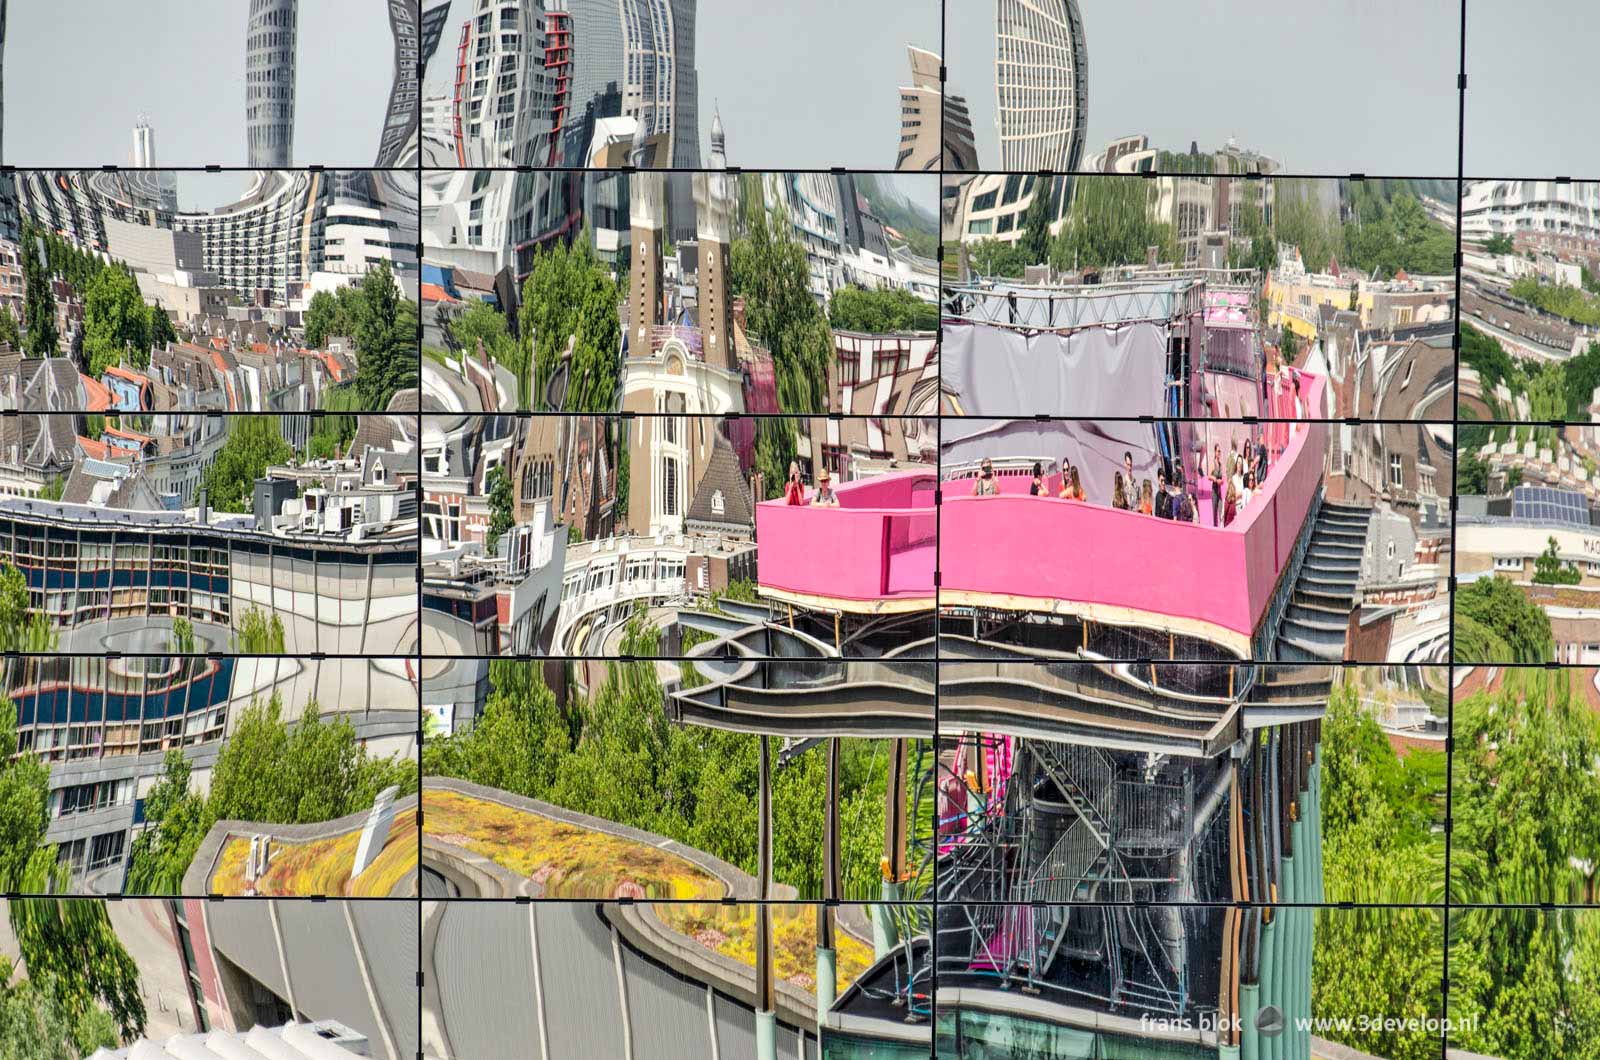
33, 1027
502, 516
254, 444
258, 633
1035, 241
995, 257
161, 330
270, 771
880, 311
71, 949
481, 323
1111, 222
116, 324
9, 334
1499, 244
39, 301
777, 445
1493, 615
21, 628
387, 332
182, 636
769, 269
1549, 570
321, 319
570, 296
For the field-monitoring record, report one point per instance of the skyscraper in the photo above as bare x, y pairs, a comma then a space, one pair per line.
144, 145
503, 101
402, 121
269, 65
924, 112
1041, 84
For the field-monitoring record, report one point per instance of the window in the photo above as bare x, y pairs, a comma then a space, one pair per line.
1395, 477
669, 486
717, 506
1508, 563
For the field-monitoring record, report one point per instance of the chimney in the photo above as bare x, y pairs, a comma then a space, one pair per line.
204, 513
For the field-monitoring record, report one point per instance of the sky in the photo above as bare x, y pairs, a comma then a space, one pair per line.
1331, 86
1530, 90
799, 86
181, 63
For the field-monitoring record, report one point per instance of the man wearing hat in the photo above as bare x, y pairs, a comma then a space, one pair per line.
824, 497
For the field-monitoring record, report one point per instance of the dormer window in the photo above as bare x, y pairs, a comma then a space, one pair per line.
717, 506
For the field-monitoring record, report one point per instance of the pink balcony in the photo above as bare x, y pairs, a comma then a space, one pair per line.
874, 554
1022, 553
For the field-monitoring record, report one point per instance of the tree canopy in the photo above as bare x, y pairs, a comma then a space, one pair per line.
254, 444
571, 295
1497, 623
880, 311
269, 770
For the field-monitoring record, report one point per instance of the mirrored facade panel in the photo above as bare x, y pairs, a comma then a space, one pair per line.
172, 977
1075, 87
1196, 539
670, 535
690, 84
1108, 782
142, 291
146, 768
193, 534
741, 293
827, 766
1049, 981
1198, 295
282, 83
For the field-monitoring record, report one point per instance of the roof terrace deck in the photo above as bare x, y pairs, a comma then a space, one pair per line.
873, 554
1015, 552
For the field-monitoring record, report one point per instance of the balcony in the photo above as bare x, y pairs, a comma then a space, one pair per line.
1015, 552
874, 554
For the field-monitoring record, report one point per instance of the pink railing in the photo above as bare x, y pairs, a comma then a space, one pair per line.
1043, 549
877, 545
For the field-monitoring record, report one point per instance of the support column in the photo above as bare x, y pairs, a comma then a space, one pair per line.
766, 1016
827, 916
884, 935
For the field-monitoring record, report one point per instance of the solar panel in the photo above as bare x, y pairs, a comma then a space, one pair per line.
1544, 504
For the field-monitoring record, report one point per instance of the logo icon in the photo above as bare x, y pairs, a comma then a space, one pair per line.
1269, 1021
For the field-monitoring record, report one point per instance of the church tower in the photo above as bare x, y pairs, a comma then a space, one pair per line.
646, 213
714, 197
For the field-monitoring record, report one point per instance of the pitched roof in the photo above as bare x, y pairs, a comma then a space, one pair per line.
722, 486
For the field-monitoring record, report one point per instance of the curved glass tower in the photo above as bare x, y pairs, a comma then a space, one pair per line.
269, 81
1041, 84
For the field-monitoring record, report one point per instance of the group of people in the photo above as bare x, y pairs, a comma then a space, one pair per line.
1165, 499
1233, 481
1236, 480
794, 491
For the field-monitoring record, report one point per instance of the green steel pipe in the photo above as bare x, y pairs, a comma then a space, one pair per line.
1249, 1005
827, 981
884, 936
1268, 980
766, 1036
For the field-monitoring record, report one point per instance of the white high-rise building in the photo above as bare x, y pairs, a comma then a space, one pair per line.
505, 102
144, 145
269, 70
1041, 84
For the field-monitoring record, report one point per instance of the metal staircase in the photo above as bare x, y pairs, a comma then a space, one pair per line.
1315, 623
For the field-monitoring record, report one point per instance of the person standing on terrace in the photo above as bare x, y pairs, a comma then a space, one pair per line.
794, 492
1036, 488
985, 484
825, 497
1071, 488
1127, 470
1261, 463
1163, 495
1185, 509
1231, 506
1217, 477
1119, 492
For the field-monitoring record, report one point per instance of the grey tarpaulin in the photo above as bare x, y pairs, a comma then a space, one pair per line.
1101, 371
1095, 447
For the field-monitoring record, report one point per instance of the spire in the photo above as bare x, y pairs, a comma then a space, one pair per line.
719, 154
